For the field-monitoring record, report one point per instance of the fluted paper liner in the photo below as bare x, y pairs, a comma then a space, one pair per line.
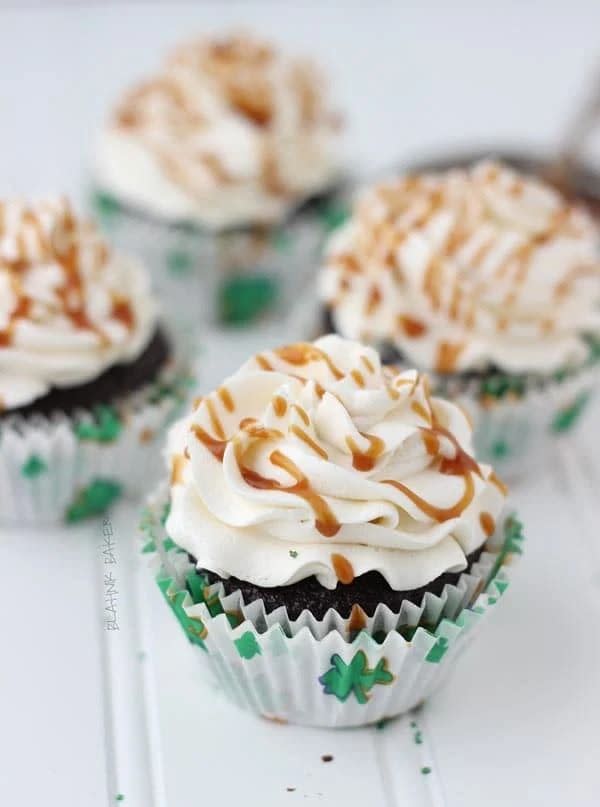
323, 672
66, 468
236, 275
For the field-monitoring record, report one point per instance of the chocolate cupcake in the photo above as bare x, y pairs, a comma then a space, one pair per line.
317, 489
219, 167
487, 279
87, 378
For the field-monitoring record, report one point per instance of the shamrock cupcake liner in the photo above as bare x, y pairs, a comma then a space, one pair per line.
66, 468
334, 672
515, 420
235, 277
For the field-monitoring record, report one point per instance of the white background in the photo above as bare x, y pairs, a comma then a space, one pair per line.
519, 723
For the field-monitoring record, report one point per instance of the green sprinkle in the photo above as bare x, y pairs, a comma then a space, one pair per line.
293, 553
418, 738
425, 770
381, 724
247, 646
34, 467
566, 418
413, 724
119, 797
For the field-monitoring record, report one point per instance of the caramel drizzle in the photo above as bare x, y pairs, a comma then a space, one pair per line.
488, 525
279, 406
366, 460
418, 408
342, 568
226, 399
216, 424
301, 413
263, 362
411, 327
21, 311
495, 480
306, 438
439, 514
462, 464
178, 464
358, 619
431, 282
447, 356
303, 353
216, 447
325, 522
368, 364
358, 378
373, 300
122, 311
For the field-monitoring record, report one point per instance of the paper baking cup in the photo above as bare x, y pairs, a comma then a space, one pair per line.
513, 432
66, 468
327, 673
234, 277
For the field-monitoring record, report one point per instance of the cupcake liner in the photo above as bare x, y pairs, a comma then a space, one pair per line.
237, 276
513, 431
323, 673
65, 468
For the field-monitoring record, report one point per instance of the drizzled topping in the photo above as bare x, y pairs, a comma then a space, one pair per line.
468, 269
231, 129
314, 459
69, 308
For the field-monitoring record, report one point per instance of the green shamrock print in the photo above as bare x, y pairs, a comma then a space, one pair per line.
93, 500
105, 427
342, 679
567, 417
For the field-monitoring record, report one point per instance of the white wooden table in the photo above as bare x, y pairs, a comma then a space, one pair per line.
86, 715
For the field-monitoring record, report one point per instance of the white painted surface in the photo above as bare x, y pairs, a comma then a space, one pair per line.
519, 723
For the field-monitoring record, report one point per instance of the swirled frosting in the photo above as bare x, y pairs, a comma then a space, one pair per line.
467, 269
230, 132
69, 307
313, 459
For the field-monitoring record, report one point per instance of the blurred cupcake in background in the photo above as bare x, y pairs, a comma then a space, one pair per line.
217, 170
87, 374
328, 538
489, 279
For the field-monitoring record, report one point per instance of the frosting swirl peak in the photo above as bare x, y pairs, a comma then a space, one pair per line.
314, 459
69, 307
468, 269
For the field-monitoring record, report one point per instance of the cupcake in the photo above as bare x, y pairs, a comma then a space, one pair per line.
329, 539
87, 377
219, 167
485, 278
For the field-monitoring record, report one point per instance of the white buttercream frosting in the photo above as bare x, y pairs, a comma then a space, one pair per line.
467, 269
69, 307
313, 459
230, 132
